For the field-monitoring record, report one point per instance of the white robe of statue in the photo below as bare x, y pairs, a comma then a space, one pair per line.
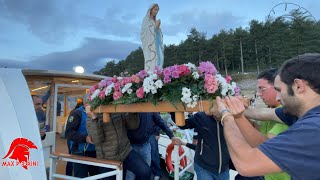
152, 47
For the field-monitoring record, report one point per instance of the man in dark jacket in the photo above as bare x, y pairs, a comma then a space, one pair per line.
111, 141
211, 154
139, 138
41, 115
80, 143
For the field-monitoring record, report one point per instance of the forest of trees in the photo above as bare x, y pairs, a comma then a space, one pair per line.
260, 46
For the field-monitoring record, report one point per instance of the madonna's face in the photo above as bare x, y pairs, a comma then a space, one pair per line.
154, 11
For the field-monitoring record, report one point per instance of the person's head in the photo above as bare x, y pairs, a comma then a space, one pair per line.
298, 83
265, 88
37, 102
153, 11
79, 103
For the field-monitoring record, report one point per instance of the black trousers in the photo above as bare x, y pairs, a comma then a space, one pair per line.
83, 170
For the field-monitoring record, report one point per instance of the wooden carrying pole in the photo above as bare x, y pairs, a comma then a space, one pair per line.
179, 109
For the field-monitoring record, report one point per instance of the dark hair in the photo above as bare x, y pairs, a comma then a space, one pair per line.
306, 67
268, 75
35, 96
76, 107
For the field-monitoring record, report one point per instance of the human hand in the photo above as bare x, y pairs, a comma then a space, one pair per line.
246, 101
175, 129
183, 143
89, 140
176, 141
218, 106
90, 114
235, 106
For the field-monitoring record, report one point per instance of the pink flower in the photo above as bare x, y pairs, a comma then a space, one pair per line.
135, 79
207, 68
167, 72
184, 70
114, 79
93, 88
102, 94
117, 86
117, 95
103, 83
237, 91
166, 79
211, 83
228, 78
125, 81
175, 74
140, 93
109, 81
158, 71
142, 74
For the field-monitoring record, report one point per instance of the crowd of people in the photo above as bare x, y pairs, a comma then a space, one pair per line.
283, 146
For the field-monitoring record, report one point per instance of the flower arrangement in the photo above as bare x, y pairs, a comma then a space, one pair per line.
184, 83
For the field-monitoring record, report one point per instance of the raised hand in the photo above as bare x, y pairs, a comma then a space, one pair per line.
176, 141
218, 106
235, 106
90, 114
89, 140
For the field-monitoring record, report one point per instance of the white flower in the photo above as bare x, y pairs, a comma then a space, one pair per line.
150, 86
158, 84
226, 89
153, 90
195, 97
119, 78
146, 90
221, 79
154, 76
186, 92
95, 93
186, 98
109, 89
231, 89
191, 66
126, 87
192, 105
129, 91
195, 75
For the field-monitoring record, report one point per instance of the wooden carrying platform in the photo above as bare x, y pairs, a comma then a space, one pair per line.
149, 107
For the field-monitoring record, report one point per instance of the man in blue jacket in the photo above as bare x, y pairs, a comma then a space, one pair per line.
80, 143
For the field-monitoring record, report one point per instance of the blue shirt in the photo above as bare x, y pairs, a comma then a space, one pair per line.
286, 118
297, 150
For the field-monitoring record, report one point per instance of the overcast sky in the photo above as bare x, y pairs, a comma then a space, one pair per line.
60, 34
